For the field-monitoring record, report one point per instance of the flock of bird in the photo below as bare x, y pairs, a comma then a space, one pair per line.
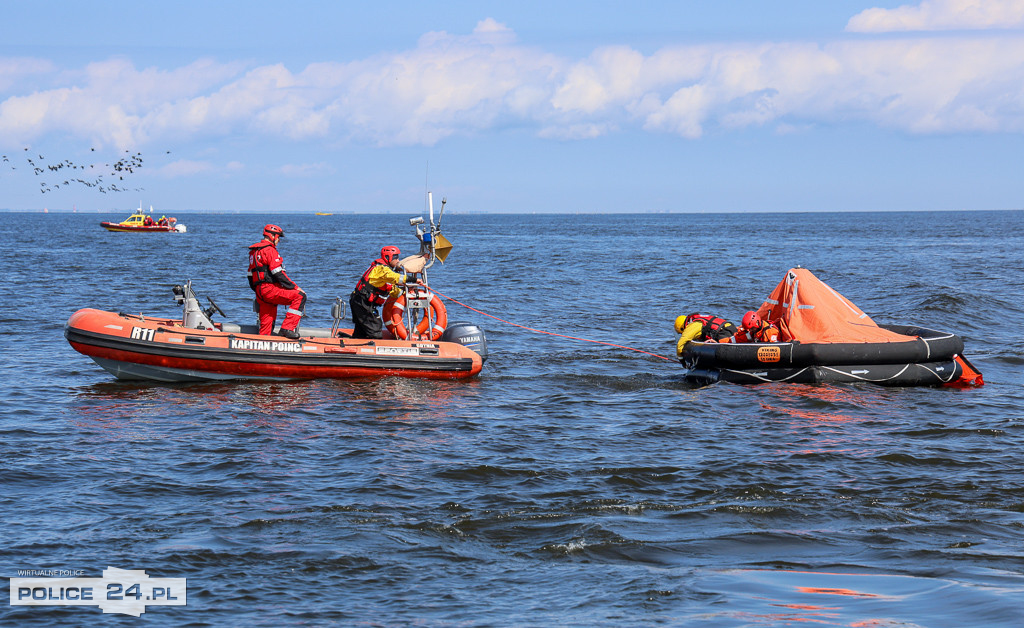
67, 173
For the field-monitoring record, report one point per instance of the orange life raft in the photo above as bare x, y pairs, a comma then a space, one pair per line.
826, 338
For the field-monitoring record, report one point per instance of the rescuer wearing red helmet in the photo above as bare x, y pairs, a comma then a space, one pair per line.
272, 285
378, 283
754, 329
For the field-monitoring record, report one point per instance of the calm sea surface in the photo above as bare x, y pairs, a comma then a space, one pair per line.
571, 483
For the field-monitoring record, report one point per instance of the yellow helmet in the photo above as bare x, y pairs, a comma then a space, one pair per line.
681, 323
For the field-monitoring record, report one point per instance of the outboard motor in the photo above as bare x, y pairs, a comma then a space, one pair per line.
194, 316
469, 335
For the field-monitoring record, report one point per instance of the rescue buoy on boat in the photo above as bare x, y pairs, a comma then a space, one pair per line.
431, 327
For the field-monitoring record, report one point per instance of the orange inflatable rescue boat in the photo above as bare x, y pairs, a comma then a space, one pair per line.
195, 348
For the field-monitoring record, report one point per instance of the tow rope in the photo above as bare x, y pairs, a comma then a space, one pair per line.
550, 333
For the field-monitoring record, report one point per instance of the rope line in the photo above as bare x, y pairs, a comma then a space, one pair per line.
550, 333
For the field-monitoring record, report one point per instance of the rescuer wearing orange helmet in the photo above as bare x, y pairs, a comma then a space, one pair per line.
754, 329
378, 283
272, 285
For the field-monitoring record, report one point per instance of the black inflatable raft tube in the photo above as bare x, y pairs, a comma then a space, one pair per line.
914, 374
922, 345
926, 358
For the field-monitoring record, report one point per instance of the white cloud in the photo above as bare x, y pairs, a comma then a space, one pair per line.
608, 75
14, 71
467, 84
923, 85
186, 167
306, 170
575, 131
110, 103
941, 15
448, 84
189, 167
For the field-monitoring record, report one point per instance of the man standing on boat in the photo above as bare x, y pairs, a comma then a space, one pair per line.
378, 283
272, 285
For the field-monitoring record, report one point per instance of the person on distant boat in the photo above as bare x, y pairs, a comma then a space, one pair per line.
378, 283
754, 329
148, 221
163, 221
272, 285
703, 328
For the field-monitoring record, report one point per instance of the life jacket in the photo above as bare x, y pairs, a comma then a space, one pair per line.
259, 271
373, 294
715, 327
764, 333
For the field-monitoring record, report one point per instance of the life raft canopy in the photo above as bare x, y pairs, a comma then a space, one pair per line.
808, 310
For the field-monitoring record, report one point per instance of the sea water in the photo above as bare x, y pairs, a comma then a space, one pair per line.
571, 483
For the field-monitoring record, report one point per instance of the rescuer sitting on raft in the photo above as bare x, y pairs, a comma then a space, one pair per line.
754, 329
703, 328
378, 283
272, 285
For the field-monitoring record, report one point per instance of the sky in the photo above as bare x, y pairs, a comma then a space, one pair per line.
565, 106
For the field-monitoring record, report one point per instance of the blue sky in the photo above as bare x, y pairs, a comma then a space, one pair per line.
513, 106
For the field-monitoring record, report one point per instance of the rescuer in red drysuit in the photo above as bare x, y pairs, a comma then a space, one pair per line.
272, 285
755, 330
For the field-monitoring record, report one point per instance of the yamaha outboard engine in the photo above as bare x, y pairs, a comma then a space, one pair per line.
469, 335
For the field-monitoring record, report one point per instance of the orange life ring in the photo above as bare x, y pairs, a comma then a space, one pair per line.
394, 311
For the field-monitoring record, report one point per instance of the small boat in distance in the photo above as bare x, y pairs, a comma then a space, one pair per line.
141, 221
324, 213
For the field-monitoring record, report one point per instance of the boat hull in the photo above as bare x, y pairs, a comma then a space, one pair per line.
116, 226
144, 348
911, 374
